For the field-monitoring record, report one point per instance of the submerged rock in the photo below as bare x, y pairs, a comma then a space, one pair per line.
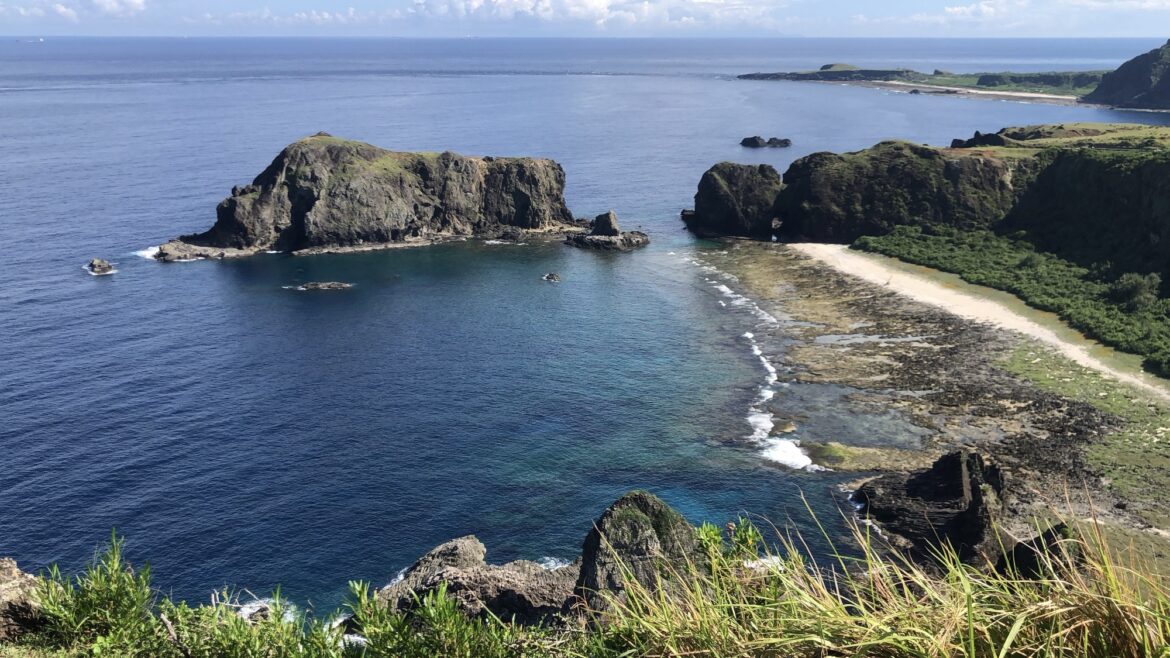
325, 285
639, 534
956, 501
100, 266
326, 193
606, 235
552, 277
520, 591
19, 612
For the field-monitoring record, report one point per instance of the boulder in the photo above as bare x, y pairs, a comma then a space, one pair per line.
100, 266
325, 285
956, 501
753, 142
1031, 558
19, 612
326, 193
735, 199
638, 534
606, 235
521, 591
779, 142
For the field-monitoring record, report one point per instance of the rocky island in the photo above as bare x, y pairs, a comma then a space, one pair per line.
324, 194
606, 235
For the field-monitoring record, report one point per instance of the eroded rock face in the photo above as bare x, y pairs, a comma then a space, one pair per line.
19, 614
1142, 82
955, 501
735, 199
100, 266
605, 234
323, 192
829, 197
522, 591
639, 533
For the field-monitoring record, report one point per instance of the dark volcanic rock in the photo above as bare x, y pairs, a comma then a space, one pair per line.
638, 533
606, 235
325, 285
735, 199
325, 192
19, 613
759, 142
1142, 82
829, 197
955, 502
1031, 558
521, 591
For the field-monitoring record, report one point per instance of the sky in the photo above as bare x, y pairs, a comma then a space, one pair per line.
614, 18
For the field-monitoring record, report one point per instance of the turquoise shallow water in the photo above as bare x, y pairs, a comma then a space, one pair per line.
242, 433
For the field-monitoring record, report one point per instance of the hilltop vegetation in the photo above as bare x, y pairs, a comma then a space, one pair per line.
1065, 83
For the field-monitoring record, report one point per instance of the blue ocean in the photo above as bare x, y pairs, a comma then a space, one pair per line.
245, 434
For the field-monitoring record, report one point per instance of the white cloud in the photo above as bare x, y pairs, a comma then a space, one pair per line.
119, 7
67, 13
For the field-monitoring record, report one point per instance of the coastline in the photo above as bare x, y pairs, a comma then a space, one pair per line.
876, 270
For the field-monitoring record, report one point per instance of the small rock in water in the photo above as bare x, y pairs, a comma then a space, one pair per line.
325, 285
552, 276
100, 266
757, 142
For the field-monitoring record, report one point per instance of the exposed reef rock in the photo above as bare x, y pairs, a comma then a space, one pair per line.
1142, 82
640, 534
100, 266
955, 502
757, 142
521, 591
325, 285
323, 193
735, 199
19, 613
606, 235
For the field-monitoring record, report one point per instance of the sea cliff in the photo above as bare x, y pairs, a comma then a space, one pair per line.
325, 193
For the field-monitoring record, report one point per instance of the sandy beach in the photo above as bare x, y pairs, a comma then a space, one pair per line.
871, 268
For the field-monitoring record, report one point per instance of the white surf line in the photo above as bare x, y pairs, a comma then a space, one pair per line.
918, 288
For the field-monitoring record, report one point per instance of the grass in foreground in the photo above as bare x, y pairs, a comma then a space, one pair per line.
740, 600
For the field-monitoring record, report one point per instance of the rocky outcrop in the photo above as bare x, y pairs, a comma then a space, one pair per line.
757, 142
639, 535
1036, 557
100, 266
19, 612
326, 193
830, 197
605, 234
521, 591
735, 199
955, 502
325, 285
841, 73
1142, 82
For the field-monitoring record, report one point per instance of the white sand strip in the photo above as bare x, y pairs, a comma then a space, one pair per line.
872, 269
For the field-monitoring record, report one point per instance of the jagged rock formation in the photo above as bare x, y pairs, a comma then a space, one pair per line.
605, 234
521, 591
1142, 82
956, 501
735, 199
19, 613
640, 534
326, 193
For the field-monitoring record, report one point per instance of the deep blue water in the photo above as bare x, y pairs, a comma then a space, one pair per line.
241, 433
